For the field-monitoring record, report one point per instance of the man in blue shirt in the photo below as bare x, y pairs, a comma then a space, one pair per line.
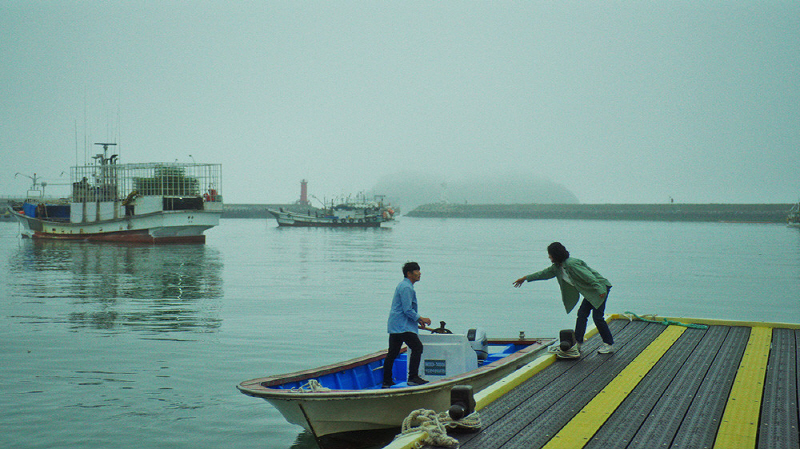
403, 327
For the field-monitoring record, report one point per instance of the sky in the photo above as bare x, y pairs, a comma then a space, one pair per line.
618, 102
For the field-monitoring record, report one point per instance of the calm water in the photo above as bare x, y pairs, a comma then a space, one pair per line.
141, 346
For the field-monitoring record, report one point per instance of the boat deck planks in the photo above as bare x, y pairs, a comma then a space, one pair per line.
779, 424
666, 386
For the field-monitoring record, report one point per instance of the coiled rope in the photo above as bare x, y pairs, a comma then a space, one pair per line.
312, 386
652, 319
436, 425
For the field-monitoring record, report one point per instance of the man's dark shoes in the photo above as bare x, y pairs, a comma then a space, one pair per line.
416, 381
388, 384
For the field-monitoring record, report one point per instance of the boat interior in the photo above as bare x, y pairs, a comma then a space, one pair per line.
369, 375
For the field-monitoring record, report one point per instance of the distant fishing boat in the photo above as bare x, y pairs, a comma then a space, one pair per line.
347, 214
793, 219
157, 202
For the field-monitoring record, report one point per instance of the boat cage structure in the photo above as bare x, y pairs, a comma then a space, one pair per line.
108, 181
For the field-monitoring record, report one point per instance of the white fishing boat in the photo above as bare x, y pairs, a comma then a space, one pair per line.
347, 214
346, 399
143, 203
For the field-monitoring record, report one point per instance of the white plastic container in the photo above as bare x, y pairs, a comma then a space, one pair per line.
446, 355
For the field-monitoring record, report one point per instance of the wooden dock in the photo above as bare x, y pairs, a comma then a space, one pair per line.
731, 385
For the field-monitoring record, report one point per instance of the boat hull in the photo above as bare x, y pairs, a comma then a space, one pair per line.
337, 417
340, 412
186, 226
291, 219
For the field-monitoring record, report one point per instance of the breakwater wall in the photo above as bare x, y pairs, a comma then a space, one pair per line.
748, 213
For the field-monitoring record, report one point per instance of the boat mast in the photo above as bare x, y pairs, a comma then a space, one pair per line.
104, 157
107, 178
34, 187
107, 173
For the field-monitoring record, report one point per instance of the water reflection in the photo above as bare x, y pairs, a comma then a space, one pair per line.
356, 440
156, 288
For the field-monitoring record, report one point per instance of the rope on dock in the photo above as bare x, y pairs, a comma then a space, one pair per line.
436, 425
652, 319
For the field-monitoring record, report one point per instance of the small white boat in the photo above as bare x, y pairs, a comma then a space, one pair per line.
337, 400
141, 203
793, 219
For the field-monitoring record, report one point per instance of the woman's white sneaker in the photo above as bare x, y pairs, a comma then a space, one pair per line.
606, 349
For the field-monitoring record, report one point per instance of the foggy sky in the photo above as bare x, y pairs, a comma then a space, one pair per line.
618, 102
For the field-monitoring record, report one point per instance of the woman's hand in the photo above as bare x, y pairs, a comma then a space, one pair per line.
520, 281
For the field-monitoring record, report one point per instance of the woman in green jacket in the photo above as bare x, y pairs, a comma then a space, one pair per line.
576, 278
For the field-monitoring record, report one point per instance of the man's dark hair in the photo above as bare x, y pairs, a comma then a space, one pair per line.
558, 251
409, 267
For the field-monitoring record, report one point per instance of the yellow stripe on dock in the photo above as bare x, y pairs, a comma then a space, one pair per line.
739, 425
588, 421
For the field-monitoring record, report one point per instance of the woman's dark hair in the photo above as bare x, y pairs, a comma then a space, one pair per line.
558, 251
409, 267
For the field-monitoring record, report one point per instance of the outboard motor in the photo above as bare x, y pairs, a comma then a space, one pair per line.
479, 342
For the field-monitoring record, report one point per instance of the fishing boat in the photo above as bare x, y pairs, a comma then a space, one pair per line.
347, 214
793, 219
338, 401
140, 203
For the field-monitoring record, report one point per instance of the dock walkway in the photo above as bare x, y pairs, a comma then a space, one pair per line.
726, 386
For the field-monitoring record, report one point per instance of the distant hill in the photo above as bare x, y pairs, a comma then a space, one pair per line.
410, 190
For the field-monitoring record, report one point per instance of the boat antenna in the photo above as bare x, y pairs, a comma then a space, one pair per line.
104, 157
320, 201
119, 123
76, 142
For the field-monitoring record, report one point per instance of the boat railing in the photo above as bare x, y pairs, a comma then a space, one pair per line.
93, 183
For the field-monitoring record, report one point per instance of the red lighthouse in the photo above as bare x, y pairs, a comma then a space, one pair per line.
304, 193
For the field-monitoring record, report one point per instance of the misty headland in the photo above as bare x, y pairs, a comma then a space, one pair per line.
411, 189
520, 197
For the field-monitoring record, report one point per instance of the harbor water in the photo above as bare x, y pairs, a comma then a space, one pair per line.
140, 346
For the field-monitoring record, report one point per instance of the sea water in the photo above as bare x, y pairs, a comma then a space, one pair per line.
138, 346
